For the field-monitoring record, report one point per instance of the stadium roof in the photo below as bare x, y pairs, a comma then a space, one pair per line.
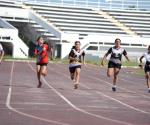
106, 4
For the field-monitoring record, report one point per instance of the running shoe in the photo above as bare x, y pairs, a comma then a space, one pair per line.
75, 86
113, 89
40, 84
72, 77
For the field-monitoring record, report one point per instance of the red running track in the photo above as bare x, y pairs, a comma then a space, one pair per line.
57, 103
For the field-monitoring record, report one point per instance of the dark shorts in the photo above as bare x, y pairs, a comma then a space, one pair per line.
147, 68
114, 65
41, 64
73, 69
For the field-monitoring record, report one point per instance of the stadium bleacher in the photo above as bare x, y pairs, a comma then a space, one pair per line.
64, 24
84, 20
10, 4
76, 20
138, 21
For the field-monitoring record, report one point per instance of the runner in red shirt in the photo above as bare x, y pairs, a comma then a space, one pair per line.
41, 51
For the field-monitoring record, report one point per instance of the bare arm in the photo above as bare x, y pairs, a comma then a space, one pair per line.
83, 60
141, 59
2, 55
105, 56
126, 56
71, 58
141, 65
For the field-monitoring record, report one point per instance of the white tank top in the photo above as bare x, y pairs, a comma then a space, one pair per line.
147, 57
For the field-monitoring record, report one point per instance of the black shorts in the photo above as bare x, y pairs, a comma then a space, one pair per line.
114, 65
147, 68
41, 64
73, 69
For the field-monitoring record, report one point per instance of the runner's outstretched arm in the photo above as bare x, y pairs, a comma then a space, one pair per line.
127, 58
105, 56
2, 55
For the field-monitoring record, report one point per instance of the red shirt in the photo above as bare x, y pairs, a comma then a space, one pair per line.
42, 54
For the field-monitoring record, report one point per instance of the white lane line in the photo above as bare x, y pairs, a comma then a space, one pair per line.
78, 109
10, 89
8, 105
122, 87
125, 89
128, 106
31, 103
110, 84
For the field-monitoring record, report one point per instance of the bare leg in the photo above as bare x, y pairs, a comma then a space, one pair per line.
44, 70
116, 72
148, 81
39, 75
110, 72
115, 78
72, 75
77, 77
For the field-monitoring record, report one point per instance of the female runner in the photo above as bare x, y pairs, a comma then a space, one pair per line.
75, 63
41, 51
114, 64
147, 67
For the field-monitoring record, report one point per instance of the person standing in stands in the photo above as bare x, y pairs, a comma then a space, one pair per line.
114, 64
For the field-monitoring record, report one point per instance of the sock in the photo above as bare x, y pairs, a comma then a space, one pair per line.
114, 86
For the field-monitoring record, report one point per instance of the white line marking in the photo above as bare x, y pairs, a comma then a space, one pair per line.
128, 106
110, 84
9, 91
31, 103
125, 89
22, 113
78, 109
121, 87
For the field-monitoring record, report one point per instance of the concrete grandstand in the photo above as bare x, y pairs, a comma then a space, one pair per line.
62, 23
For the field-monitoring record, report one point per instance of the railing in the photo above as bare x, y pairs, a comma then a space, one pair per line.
143, 5
5, 24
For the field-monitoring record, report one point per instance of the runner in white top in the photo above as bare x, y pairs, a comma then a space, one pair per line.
146, 67
114, 64
1, 53
75, 63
